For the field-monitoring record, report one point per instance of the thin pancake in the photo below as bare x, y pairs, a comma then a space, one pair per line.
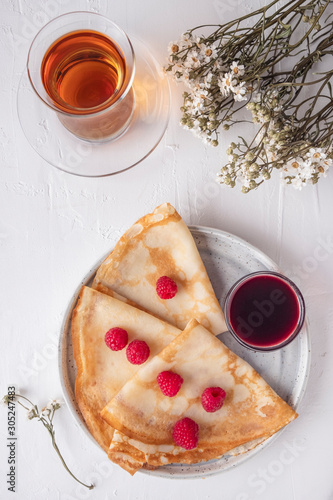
252, 410
160, 244
133, 455
100, 371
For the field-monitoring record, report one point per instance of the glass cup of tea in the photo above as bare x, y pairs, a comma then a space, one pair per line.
82, 66
264, 311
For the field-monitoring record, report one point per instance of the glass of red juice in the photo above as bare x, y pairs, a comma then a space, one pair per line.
264, 311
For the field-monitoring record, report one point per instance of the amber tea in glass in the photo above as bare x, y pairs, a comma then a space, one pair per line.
85, 74
82, 71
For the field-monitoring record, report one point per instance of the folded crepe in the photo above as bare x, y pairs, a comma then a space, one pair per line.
251, 411
100, 371
160, 244
132, 455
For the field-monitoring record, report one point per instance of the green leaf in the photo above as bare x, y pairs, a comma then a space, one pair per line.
284, 34
243, 141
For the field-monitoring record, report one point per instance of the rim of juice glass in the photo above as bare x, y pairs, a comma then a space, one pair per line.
84, 112
301, 304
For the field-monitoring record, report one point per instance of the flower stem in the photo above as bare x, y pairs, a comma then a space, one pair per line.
54, 444
46, 418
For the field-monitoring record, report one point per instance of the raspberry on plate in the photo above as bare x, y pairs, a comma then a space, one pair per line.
166, 288
116, 338
212, 399
137, 352
169, 383
186, 433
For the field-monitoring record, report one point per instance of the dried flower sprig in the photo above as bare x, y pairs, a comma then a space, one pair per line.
45, 416
223, 67
296, 129
238, 63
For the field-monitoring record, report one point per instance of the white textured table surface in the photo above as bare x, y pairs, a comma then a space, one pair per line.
55, 226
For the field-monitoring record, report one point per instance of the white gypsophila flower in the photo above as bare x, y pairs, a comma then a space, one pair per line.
53, 404
261, 115
324, 166
188, 63
197, 105
186, 39
316, 155
256, 97
44, 413
306, 171
173, 48
201, 46
200, 89
237, 69
57, 403
192, 60
239, 92
179, 73
226, 83
229, 80
293, 166
207, 52
299, 172
297, 183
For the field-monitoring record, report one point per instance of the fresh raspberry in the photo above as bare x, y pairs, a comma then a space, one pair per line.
137, 352
169, 383
212, 399
186, 433
166, 288
116, 339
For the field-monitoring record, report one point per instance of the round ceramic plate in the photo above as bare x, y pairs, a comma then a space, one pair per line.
227, 258
59, 147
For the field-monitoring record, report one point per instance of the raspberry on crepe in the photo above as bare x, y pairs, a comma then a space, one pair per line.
156, 264
223, 404
101, 327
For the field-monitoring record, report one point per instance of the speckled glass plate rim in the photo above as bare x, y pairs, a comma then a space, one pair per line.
69, 396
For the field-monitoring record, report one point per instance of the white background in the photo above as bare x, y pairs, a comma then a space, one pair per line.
55, 226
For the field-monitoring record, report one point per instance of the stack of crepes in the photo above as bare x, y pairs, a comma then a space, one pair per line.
122, 403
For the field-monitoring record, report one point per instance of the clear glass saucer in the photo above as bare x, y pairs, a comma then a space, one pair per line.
55, 144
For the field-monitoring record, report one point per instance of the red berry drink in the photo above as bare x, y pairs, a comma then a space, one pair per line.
264, 311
